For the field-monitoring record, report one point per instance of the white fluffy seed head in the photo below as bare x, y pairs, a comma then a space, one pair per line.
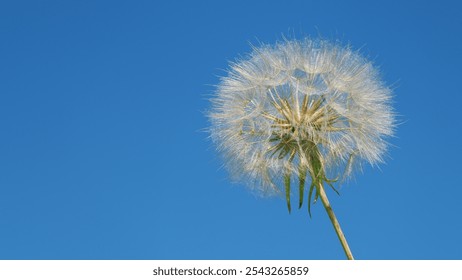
283, 102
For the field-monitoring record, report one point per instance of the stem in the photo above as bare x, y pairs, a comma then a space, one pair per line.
335, 223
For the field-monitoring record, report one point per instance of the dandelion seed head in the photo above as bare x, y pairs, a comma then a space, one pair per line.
300, 105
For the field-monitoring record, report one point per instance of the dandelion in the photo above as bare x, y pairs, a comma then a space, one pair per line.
303, 112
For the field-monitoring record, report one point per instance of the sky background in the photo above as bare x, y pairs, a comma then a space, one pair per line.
103, 153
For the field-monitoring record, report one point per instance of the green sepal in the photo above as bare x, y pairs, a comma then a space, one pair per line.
310, 193
287, 188
329, 182
301, 186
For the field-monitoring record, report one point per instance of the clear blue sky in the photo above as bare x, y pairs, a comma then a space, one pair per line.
103, 154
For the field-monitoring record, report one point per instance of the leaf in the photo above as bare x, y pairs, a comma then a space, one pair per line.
287, 188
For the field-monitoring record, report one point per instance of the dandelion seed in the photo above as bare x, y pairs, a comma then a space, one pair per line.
307, 110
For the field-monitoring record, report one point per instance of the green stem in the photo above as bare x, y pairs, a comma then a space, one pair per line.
333, 219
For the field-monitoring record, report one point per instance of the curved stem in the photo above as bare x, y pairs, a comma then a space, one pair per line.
335, 223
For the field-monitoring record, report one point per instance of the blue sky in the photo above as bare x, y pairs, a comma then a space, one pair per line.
103, 154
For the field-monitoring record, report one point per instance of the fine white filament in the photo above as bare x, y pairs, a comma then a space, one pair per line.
281, 102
